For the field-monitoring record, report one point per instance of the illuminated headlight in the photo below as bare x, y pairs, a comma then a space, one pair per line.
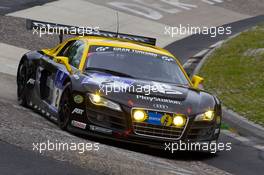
179, 120
207, 116
96, 99
139, 115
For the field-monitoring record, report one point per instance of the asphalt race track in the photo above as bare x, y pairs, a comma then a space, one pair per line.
14, 160
20, 127
14, 5
191, 45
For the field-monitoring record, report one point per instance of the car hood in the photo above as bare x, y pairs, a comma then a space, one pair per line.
149, 94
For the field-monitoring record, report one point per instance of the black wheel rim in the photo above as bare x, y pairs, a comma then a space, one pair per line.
65, 111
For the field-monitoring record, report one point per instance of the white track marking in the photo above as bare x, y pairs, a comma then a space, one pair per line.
175, 12
9, 58
83, 13
217, 44
259, 147
212, 2
131, 7
201, 53
235, 136
3, 7
136, 20
244, 140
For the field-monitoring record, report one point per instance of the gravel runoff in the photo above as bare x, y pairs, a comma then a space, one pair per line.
22, 127
13, 31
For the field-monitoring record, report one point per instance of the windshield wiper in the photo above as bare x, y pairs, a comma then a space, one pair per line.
121, 74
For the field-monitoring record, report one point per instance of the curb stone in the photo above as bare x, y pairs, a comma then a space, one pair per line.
242, 124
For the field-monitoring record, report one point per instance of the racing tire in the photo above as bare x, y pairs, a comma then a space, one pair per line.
65, 109
22, 79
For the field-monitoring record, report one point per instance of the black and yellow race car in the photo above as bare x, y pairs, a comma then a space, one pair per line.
117, 86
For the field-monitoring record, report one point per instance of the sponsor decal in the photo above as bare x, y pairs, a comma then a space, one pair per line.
154, 118
101, 49
56, 97
78, 111
59, 79
31, 81
78, 99
166, 120
130, 51
100, 129
166, 58
119, 49
78, 124
157, 99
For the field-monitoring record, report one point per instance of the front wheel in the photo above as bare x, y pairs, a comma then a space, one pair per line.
65, 109
22, 79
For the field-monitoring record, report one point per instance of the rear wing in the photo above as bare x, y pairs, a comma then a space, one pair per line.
40, 27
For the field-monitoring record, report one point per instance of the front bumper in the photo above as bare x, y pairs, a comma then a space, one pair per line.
137, 139
102, 122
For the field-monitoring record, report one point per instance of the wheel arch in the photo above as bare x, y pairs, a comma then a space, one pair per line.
31, 57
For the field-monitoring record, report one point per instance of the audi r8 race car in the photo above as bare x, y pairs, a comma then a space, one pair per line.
118, 86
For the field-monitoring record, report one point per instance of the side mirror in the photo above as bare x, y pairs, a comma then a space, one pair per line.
47, 51
64, 61
197, 81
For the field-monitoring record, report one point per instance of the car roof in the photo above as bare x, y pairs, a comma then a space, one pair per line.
117, 42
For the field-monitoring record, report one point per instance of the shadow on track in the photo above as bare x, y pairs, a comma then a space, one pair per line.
177, 155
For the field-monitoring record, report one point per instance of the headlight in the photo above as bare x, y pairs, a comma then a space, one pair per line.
207, 116
96, 99
139, 115
179, 120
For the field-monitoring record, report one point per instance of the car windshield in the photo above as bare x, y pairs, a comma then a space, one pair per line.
135, 63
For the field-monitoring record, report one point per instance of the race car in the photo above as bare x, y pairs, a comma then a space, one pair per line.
117, 86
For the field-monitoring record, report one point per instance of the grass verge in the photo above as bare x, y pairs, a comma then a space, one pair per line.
235, 73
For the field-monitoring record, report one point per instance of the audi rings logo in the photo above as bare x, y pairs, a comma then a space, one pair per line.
160, 106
